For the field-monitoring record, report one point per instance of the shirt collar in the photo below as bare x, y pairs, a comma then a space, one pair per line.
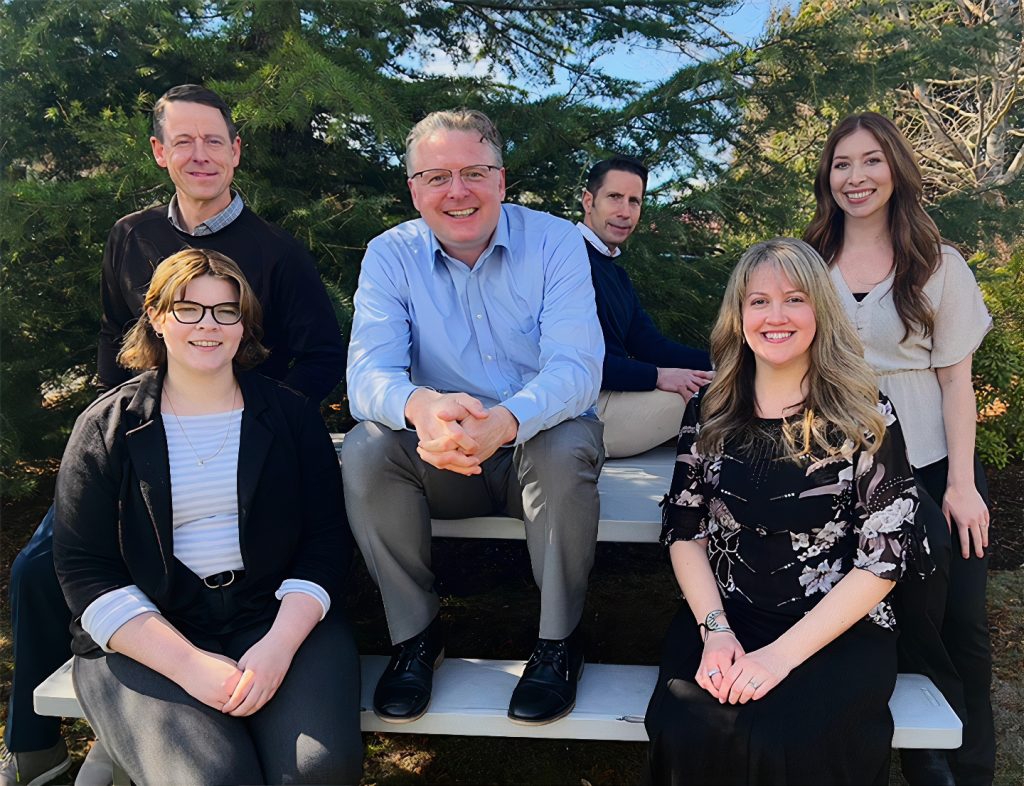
500, 238
595, 241
209, 226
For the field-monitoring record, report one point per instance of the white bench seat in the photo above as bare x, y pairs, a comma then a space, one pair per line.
471, 699
471, 696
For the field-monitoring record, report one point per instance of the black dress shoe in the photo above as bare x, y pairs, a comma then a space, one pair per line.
403, 692
926, 767
547, 689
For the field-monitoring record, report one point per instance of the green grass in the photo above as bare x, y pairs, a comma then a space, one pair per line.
1006, 617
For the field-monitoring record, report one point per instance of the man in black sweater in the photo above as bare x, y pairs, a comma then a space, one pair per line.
195, 140
647, 378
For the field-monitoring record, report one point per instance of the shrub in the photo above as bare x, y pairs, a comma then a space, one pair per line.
999, 362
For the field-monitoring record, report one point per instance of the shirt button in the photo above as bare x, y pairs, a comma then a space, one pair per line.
490, 357
479, 316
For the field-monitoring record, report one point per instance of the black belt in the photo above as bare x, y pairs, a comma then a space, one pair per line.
223, 579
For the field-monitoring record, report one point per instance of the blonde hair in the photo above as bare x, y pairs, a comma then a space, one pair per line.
471, 120
143, 349
842, 390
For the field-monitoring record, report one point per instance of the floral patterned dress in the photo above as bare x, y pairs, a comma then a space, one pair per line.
781, 535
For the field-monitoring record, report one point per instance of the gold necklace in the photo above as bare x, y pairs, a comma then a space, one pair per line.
201, 462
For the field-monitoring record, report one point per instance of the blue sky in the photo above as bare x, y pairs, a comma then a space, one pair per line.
647, 65
642, 64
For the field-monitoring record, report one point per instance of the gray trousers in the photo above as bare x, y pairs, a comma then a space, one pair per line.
549, 481
308, 733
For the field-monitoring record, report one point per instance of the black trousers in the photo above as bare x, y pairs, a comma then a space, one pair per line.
42, 642
966, 637
944, 633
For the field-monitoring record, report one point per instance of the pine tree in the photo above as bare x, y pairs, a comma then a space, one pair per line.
324, 93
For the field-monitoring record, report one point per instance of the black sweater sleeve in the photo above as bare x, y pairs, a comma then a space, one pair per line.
646, 342
634, 347
311, 331
325, 548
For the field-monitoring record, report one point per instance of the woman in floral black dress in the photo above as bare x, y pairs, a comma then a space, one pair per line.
790, 517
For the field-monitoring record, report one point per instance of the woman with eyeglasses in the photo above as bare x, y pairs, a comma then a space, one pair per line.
921, 317
789, 519
201, 543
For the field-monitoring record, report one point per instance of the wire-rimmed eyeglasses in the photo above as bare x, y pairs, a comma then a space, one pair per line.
442, 178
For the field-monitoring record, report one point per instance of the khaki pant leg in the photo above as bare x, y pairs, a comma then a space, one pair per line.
636, 421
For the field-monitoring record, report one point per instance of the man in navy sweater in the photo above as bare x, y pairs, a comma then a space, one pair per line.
195, 140
647, 378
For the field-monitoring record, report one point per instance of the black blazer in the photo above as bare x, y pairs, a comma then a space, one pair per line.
113, 523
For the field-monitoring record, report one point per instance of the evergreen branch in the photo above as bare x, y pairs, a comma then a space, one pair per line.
517, 6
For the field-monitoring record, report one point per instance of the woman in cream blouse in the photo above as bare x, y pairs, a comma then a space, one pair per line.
920, 315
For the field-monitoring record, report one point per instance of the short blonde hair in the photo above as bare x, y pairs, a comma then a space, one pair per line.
471, 120
143, 349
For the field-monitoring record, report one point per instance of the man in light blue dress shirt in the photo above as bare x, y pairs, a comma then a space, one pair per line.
474, 367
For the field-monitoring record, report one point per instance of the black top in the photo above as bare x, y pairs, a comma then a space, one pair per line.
299, 325
113, 524
634, 347
781, 534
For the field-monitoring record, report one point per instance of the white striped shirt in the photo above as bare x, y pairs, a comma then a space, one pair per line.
204, 498
203, 455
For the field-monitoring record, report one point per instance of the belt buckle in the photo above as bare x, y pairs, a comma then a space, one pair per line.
222, 584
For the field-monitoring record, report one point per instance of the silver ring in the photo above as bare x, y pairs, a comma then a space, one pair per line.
713, 672
755, 685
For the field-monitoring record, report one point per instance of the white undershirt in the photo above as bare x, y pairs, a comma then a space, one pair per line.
595, 241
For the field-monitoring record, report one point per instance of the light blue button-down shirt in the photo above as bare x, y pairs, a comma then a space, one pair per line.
519, 328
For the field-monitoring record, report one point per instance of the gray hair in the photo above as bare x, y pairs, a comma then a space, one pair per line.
470, 120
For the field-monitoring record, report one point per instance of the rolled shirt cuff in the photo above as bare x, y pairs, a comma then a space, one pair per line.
102, 618
304, 587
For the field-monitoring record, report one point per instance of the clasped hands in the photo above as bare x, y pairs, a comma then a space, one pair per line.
456, 431
734, 676
241, 688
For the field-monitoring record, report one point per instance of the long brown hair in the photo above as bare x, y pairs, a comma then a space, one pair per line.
842, 391
143, 349
916, 243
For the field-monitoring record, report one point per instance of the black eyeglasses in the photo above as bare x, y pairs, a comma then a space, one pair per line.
442, 178
188, 312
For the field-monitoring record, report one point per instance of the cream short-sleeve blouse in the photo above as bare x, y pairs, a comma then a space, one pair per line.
906, 370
